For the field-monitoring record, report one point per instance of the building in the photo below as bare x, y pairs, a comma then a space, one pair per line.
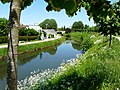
49, 33
35, 27
45, 33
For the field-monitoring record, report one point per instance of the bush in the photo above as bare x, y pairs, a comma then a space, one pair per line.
87, 44
27, 38
83, 39
29, 32
4, 39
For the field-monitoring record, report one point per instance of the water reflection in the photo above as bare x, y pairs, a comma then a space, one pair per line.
27, 57
76, 46
47, 58
52, 51
3, 68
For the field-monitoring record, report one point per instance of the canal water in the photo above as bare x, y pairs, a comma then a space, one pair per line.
47, 59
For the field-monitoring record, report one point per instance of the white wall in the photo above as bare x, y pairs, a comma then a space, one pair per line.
37, 28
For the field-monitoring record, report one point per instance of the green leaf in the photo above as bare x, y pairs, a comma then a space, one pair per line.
5, 1
58, 3
70, 6
49, 7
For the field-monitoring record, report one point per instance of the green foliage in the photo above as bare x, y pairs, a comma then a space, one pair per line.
49, 24
86, 44
32, 32
82, 41
86, 26
3, 39
22, 32
5, 1
92, 29
38, 46
3, 27
97, 69
94, 8
69, 5
26, 3
28, 32
111, 25
33, 47
77, 25
27, 38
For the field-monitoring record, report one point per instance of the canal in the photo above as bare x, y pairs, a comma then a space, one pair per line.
46, 59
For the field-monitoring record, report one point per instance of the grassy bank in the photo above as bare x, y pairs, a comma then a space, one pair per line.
33, 47
97, 69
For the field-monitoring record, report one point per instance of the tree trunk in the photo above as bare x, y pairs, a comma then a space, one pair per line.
14, 18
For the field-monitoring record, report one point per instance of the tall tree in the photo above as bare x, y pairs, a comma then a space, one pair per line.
99, 10
14, 18
49, 24
77, 25
94, 8
3, 26
13, 29
111, 25
86, 26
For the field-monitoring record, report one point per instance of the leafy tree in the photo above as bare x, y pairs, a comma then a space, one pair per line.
111, 25
96, 28
94, 8
29, 32
22, 32
98, 10
3, 26
86, 26
77, 25
49, 24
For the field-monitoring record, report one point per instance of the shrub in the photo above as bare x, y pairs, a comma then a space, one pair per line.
87, 44
29, 32
83, 39
27, 38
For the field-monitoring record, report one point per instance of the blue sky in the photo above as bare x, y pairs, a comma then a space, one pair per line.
37, 13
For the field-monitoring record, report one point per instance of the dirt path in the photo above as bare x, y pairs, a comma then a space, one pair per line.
26, 43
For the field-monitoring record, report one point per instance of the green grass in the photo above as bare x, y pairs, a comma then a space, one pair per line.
3, 52
33, 47
97, 69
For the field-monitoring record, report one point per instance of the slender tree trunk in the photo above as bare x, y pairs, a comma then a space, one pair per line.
14, 18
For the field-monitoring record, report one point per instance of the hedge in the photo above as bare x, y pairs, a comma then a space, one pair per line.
27, 38
4, 39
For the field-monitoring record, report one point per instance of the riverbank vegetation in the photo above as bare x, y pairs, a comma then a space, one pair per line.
97, 69
33, 47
